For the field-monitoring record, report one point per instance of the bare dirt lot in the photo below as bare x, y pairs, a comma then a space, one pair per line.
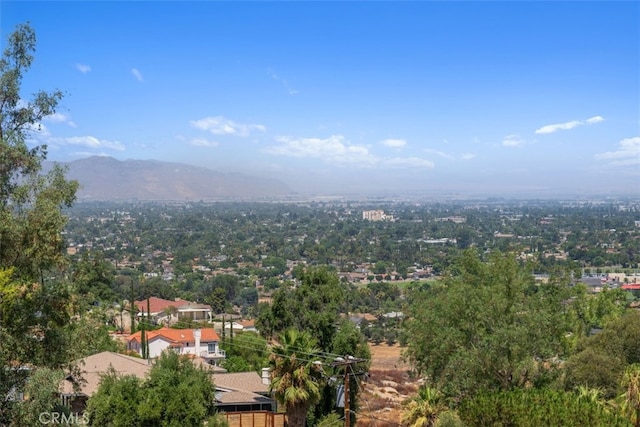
388, 386
386, 357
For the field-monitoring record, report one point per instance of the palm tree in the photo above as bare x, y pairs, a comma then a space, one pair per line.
631, 396
170, 312
295, 377
424, 409
591, 395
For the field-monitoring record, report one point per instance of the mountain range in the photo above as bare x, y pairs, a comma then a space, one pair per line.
109, 179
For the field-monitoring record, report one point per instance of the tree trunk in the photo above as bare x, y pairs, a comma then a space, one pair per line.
296, 415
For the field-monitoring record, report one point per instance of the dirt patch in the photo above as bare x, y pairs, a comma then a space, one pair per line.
387, 357
387, 387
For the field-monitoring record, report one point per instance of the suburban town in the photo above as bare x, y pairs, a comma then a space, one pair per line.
319, 214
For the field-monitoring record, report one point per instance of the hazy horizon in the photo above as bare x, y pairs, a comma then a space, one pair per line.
504, 98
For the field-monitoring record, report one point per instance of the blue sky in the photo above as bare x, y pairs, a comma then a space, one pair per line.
465, 97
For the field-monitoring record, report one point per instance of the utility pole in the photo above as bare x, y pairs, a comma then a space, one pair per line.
347, 362
347, 397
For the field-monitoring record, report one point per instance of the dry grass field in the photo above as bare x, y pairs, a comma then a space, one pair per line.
386, 357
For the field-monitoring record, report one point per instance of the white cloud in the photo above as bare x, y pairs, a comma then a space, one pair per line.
468, 156
83, 68
409, 162
203, 142
137, 74
594, 120
333, 149
628, 153
512, 141
91, 142
439, 153
82, 154
56, 118
394, 143
569, 125
274, 76
219, 125
60, 118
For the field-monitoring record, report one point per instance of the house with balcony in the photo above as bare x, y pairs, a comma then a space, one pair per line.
193, 342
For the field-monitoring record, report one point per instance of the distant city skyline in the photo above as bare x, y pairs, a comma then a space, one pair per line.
344, 97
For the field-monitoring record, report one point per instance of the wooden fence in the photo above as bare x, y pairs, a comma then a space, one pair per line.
255, 419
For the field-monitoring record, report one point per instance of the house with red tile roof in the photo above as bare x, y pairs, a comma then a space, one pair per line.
169, 311
248, 325
194, 342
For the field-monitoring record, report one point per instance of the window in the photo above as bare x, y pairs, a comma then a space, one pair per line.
211, 347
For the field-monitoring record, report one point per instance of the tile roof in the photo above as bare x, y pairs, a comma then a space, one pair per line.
93, 367
158, 305
240, 397
251, 323
246, 381
177, 336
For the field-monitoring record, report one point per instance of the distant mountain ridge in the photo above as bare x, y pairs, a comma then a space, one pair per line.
109, 179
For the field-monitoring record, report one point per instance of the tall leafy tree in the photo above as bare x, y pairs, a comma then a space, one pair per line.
31, 219
631, 396
486, 326
536, 407
33, 311
116, 401
314, 306
175, 393
296, 380
41, 394
600, 360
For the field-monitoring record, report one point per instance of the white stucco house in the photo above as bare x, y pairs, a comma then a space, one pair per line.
196, 342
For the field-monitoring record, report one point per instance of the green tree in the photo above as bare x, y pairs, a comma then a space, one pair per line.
33, 311
348, 341
314, 306
600, 360
424, 409
486, 326
536, 407
31, 219
93, 275
330, 420
89, 335
175, 393
170, 312
41, 395
172, 381
116, 401
247, 352
296, 379
631, 396
33, 319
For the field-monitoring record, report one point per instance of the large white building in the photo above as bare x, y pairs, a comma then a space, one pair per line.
376, 215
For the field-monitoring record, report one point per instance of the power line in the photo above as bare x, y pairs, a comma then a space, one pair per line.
321, 354
361, 394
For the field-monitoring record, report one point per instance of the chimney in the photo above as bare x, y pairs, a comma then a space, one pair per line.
197, 334
266, 376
